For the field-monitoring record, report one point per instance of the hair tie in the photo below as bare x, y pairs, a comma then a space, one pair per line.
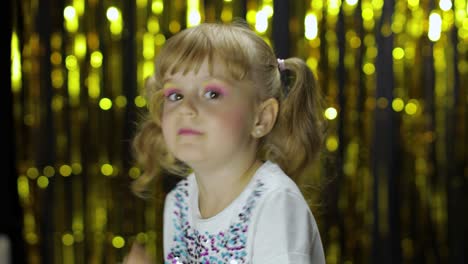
283, 76
281, 66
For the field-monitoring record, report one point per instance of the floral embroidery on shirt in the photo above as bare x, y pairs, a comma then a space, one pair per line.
227, 246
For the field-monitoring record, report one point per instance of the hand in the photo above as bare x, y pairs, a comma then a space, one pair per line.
137, 255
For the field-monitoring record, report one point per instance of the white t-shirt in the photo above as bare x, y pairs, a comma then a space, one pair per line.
269, 222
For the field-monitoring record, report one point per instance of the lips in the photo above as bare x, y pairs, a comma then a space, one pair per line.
188, 132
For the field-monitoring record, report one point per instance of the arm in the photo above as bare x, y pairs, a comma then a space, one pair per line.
137, 255
286, 232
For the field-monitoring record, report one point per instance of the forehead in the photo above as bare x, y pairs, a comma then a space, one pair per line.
206, 70
218, 49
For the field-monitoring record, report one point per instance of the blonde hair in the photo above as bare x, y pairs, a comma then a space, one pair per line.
297, 134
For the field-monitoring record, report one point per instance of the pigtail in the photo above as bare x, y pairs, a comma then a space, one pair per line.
298, 132
145, 148
144, 145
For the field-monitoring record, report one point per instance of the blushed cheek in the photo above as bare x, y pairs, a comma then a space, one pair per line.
165, 127
236, 122
165, 120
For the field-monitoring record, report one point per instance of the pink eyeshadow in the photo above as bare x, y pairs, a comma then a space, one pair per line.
215, 88
170, 91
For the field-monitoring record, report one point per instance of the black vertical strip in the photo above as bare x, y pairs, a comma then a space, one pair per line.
360, 61
239, 8
375, 254
243, 8
394, 166
426, 234
12, 219
45, 132
129, 90
46, 135
429, 98
129, 78
281, 28
386, 247
333, 216
362, 95
46, 146
428, 237
341, 76
393, 162
457, 212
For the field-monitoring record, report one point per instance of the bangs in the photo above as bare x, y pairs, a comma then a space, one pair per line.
216, 43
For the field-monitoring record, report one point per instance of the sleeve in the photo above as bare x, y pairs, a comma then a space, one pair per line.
286, 232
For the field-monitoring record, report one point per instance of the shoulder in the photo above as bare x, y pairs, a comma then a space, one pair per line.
284, 223
279, 191
276, 181
286, 226
282, 202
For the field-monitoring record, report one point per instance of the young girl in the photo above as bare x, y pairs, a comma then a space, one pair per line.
238, 121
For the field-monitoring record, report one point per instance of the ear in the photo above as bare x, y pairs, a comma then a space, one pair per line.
267, 113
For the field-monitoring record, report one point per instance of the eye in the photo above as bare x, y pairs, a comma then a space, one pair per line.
211, 94
174, 97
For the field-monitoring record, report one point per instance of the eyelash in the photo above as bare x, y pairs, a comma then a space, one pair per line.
217, 94
169, 96
209, 94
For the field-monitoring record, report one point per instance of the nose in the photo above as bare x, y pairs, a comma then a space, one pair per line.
188, 107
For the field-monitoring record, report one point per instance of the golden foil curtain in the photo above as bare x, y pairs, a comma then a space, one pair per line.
394, 75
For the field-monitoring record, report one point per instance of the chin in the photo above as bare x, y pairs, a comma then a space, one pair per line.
189, 157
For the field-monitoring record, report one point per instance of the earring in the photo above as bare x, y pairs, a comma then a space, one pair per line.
257, 132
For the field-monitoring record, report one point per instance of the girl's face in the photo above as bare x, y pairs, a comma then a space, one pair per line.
208, 119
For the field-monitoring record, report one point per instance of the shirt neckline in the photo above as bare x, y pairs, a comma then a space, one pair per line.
228, 209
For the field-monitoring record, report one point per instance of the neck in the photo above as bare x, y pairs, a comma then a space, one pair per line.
219, 186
